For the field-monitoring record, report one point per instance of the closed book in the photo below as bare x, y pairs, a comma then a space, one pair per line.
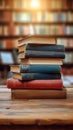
37, 39
35, 76
38, 94
42, 61
34, 84
41, 47
41, 54
35, 68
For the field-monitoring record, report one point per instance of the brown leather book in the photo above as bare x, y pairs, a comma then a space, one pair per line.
38, 94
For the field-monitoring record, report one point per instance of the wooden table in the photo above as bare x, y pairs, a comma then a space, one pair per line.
44, 114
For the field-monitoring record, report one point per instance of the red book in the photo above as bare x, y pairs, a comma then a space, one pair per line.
9, 44
34, 84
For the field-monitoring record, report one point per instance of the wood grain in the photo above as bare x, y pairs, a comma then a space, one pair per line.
35, 112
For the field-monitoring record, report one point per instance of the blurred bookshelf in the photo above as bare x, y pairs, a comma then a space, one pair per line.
53, 18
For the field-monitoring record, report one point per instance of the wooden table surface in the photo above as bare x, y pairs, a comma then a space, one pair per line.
41, 112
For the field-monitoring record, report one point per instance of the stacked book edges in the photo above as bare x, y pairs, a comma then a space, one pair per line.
36, 89
38, 74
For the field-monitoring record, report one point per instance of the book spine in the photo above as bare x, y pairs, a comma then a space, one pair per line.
40, 68
34, 84
44, 54
38, 94
45, 47
34, 76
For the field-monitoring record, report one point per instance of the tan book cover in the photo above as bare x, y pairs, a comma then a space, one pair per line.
42, 61
37, 40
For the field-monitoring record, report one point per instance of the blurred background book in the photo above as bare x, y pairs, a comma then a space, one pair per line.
18, 18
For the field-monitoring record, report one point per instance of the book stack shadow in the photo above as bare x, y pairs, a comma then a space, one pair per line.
38, 74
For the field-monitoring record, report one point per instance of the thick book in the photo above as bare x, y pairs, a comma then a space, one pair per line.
37, 40
42, 61
35, 84
38, 47
41, 54
35, 68
38, 94
36, 76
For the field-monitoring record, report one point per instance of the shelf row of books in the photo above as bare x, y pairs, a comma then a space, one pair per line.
38, 16
36, 30
12, 43
67, 42
68, 57
45, 16
8, 44
46, 4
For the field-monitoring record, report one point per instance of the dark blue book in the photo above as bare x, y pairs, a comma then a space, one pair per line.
35, 68
41, 54
36, 76
45, 47
42, 47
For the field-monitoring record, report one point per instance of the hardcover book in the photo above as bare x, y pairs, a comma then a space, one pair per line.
37, 39
35, 76
42, 61
38, 94
35, 68
35, 84
41, 54
38, 47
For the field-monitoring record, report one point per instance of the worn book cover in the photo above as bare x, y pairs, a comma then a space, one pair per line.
41, 47
42, 61
35, 68
41, 54
37, 39
38, 94
34, 84
35, 76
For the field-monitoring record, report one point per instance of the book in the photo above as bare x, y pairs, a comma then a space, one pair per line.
38, 94
35, 76
35, 68
37, 39
42, 61
41, 47
9, 43
6, 16
41, 54
41, 30
34, 84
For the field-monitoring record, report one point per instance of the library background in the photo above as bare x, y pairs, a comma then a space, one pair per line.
18, 18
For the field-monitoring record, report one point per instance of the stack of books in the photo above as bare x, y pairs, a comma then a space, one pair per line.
38, 74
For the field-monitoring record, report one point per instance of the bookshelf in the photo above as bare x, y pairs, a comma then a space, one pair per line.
53, 18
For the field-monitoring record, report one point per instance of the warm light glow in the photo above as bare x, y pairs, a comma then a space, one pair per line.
34, 4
